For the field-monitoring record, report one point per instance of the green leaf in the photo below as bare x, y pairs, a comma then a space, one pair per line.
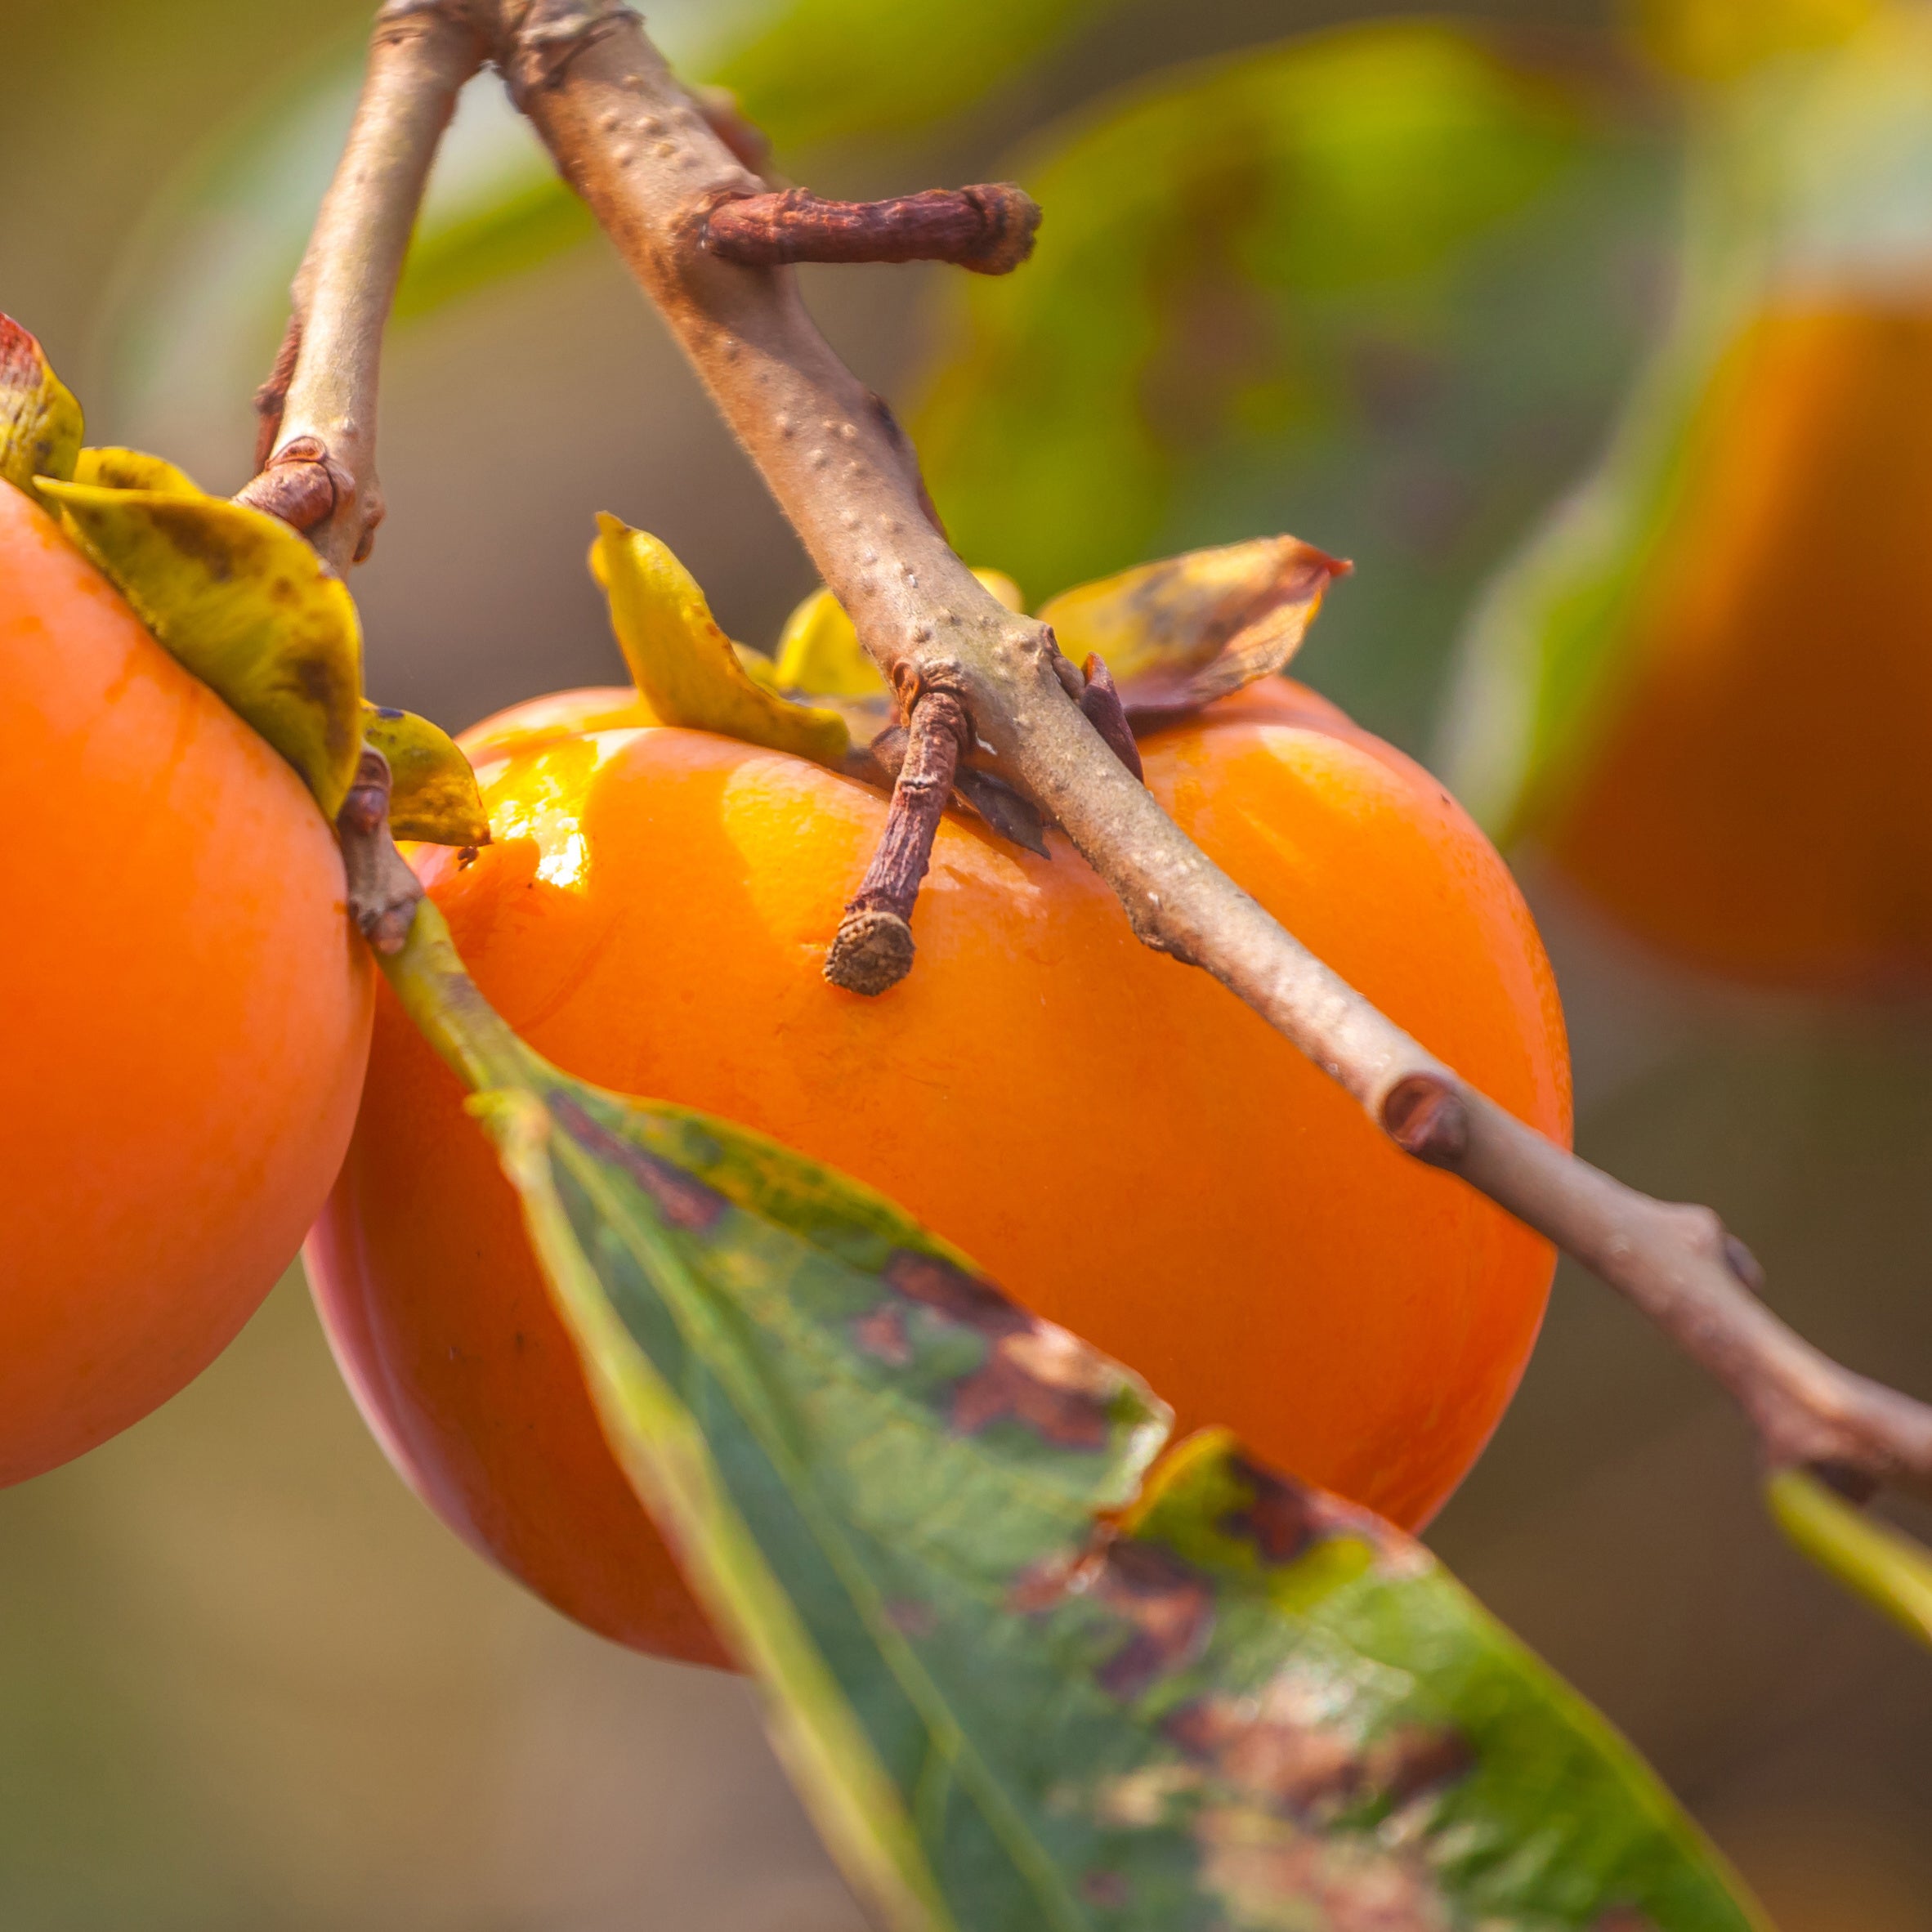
241, 601
433, 794
1810, 189
825, 69
40, 422
1243, 1708
1383, 286
684, 668
1177, 635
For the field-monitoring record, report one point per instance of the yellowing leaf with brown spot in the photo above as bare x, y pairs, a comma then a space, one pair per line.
40, 422
242, 601
1177, 634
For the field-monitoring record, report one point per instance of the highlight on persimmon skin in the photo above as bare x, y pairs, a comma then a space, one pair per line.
189, 1010
1759, 803
1124, 1147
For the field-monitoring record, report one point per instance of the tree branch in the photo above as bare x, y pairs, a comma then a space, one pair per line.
627, 137
316, 455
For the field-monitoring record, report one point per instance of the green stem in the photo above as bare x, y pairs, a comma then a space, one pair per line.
1889, 1570
438, 994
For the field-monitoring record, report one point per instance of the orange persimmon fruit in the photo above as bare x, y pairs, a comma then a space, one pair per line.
188, 1009
1121, 1144
1758, 803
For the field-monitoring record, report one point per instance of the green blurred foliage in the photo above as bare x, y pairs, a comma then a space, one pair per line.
1380, 288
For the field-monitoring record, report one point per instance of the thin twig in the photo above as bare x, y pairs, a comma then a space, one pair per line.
319, 408
627, 136
872, 950
989, 229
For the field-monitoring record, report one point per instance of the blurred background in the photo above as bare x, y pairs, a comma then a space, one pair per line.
1399, 287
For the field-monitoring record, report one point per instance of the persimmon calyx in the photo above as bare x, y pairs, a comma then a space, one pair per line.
1177, 634
239, 599
40, 422
686, 669
433, 795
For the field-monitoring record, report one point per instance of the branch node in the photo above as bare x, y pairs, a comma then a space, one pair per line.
1425, 1117
382, 891
550, 35
301, 484
988, 229
872, 950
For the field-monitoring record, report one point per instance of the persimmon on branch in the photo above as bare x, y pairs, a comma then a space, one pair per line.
707, 240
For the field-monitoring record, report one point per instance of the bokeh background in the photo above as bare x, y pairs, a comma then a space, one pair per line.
245, 1680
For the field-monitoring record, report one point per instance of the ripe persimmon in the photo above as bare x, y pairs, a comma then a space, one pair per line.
1122, 1145
188, 1009
1760, 803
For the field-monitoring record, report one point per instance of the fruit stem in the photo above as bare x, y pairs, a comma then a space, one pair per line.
437, 993
872, 950
988, 229
384, 892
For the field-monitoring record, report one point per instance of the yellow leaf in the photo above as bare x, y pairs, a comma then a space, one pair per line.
133, 469
432, 790
1178, 634
40, 422
239, 600
684, 668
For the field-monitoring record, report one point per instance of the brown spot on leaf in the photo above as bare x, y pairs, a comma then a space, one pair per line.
1260, 1865
881, 1332
1170, 1605
684, 1202
967, 1299
1283, 1518
1275, 1750
1034, 1374
1416, 1758
1044, 1378
1625, 1918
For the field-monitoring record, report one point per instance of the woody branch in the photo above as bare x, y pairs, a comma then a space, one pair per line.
315, 454
656, 174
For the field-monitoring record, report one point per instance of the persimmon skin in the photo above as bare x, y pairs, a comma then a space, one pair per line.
1123, 1145
188, 1010
1760, 803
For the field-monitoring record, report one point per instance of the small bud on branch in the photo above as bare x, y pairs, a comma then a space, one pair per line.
1101, 704
988, 229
